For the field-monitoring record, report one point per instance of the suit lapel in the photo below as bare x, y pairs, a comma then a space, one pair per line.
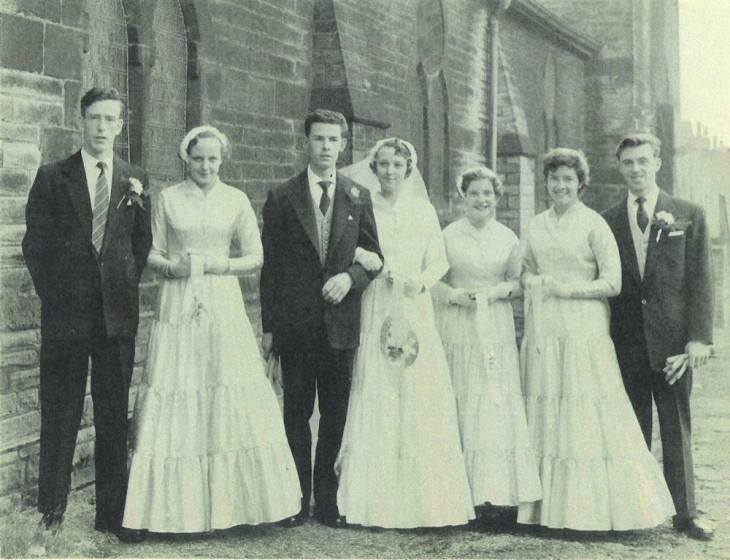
340, 212
78, 190
664, 203
304, 209
625, 243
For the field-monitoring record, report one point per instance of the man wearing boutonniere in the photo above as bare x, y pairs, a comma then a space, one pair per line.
87, 239
661, 322
310, 302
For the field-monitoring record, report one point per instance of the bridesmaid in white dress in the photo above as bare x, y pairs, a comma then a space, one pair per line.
596, 471
208, 445
475, 319
401, 464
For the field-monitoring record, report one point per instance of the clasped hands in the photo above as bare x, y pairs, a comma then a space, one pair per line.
182, 266
696, 355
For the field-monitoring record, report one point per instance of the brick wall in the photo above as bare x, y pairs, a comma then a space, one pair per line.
40, 88
634, 79
526, 52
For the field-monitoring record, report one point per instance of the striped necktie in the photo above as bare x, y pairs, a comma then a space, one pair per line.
101, 207
324, 202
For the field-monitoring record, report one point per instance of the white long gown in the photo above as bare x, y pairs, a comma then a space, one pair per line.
209, 449
596, 471
484, 366
400, 463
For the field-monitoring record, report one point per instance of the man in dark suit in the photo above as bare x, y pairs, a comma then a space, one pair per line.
310, 301
661, 322
87, 239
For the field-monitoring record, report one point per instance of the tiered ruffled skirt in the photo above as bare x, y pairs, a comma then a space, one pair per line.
209, 449
401, 464
500, 463
596, 471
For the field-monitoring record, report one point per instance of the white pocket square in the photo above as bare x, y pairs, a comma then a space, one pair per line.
675, 233
349, 217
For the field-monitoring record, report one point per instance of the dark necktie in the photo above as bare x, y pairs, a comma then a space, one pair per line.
324, 202
642, 220
101, 207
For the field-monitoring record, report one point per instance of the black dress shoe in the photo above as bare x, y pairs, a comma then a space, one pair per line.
295, 520
695, 528
131, 536
332, 521
51, 522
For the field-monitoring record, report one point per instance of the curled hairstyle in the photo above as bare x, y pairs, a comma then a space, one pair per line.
327, 117
634, 139
195, 135
475, 174
565, 157
400, 147
100, 94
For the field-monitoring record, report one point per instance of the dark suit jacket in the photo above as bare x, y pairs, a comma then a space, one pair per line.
68, 274
292, 277
673, 303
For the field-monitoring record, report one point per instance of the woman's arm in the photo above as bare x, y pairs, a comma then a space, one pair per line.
435, 263
157, 259
511, 286
608, 283
252, 252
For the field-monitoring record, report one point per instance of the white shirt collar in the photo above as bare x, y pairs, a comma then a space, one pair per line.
91, 171
314, 179
649, 205
91, 161
315, 190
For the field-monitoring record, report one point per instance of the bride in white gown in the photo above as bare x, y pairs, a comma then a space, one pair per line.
400, 463
208, 445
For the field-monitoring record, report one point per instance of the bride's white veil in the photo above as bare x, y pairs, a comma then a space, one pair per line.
361, 173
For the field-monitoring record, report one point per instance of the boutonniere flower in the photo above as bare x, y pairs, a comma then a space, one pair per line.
354, 194
134, 194
665, 221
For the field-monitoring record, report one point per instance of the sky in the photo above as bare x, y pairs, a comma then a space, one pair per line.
704, 58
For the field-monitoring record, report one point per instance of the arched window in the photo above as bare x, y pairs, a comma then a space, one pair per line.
166, 99
105, 59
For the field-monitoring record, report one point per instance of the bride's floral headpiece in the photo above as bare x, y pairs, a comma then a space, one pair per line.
380, 143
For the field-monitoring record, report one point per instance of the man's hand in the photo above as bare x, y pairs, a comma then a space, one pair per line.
267, 344
674, 368
370, 261
337, 287
698, 353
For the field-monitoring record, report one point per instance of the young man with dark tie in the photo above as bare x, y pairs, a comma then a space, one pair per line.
310, 301
661, 322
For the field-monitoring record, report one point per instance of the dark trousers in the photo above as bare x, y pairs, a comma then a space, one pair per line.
672, 403
326, 372
64, 366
